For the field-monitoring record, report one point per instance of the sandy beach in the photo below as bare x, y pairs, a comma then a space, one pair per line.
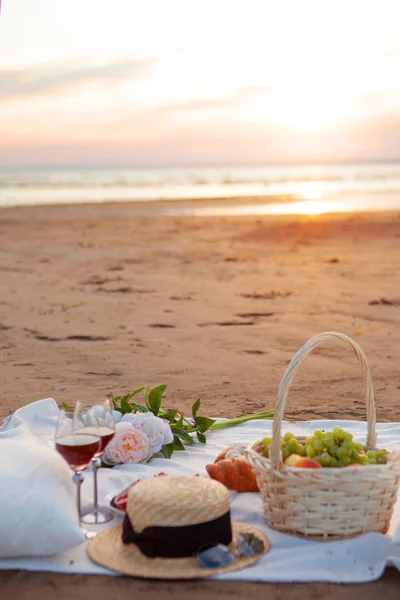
98, 299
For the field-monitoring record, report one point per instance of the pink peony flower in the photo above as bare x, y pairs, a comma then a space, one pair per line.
158, 431
129, 445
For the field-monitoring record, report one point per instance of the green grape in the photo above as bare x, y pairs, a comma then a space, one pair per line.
345, 444
333, 448
358, 447
325, 460
311, 453
338, 433
301, 450
266, 452
347, 436
341, 452
318, 445
266, 441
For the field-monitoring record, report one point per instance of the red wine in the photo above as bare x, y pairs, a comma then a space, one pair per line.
78, 449
107, 435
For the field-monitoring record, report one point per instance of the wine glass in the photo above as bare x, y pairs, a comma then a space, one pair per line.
105, 418
77, 440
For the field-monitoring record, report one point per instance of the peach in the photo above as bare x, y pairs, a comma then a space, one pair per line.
292, 459
306, 463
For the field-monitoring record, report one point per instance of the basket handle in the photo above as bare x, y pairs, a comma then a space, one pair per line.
275, 448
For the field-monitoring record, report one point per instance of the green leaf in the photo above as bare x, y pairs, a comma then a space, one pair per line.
139, 407
168, 450
178, 444
201, 437
135, 392
125, 406
179, 423
114, 400
195, 408
204, 423
68, 409
182, 434
153, 400
169, 416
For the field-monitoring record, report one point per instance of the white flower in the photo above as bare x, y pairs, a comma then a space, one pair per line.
157, 430
117, 416
129, 445
98, 410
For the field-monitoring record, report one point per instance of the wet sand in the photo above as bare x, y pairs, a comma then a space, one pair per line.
98, 298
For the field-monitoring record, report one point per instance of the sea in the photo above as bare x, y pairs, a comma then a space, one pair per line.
307, 189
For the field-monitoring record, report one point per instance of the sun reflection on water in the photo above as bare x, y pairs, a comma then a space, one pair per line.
311, 207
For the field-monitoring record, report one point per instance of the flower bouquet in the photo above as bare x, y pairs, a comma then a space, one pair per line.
144, 428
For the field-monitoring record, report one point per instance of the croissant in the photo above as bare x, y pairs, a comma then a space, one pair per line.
230, 452
235, 473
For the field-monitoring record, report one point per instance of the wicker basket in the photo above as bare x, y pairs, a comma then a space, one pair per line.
325, 503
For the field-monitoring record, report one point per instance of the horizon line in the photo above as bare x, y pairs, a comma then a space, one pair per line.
202, 165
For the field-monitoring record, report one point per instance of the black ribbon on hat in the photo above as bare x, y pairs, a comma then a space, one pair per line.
179, 541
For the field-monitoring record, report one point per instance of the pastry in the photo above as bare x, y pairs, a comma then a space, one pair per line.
232, 469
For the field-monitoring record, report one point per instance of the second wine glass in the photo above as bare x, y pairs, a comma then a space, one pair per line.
77, 442
104, 418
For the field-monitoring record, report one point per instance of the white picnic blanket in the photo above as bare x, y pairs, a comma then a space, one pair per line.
290, 559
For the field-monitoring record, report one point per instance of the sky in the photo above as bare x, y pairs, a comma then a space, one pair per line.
183, 82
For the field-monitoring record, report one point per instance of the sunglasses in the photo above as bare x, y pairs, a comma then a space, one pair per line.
247, 544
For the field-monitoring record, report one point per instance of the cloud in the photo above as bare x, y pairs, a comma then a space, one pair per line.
240, 96
37, 81
158, 114
146, 143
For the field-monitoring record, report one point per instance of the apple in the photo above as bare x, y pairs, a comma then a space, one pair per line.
306, 463
292, 459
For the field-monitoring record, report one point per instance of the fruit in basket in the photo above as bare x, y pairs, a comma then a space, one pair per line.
289, 445
337, 449
292, 459
330, 449
306, 463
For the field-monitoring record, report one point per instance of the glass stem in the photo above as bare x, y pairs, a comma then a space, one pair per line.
78, 479
95, 466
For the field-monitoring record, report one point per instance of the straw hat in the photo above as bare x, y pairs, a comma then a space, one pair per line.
168, 521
